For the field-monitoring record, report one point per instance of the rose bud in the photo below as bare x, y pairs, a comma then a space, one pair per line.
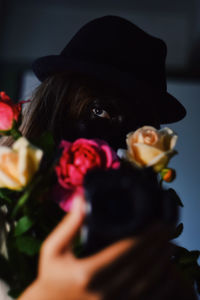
168, 175
18, 164
149, 147
9, 113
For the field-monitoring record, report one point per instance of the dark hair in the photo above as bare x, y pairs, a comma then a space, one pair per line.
57, 98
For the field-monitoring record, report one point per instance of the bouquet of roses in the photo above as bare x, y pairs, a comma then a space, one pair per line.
39, 182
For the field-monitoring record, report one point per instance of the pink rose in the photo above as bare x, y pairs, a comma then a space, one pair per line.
79, 157
9, 112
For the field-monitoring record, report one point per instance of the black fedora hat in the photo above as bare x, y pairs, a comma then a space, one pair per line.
116, 51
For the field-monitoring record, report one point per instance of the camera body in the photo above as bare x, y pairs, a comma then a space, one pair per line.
123, 203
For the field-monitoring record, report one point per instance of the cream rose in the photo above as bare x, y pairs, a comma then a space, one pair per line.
148, 146
18, 164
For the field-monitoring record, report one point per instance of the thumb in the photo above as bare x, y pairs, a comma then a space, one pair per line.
61, 237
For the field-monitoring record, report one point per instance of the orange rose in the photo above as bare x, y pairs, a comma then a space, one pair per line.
148, 146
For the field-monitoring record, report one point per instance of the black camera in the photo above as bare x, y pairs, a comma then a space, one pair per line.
122, 203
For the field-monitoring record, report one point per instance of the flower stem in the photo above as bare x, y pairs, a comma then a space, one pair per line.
22, 200
161, 181
25, 197
15, 133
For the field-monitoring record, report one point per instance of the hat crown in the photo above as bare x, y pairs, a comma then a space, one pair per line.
115, 41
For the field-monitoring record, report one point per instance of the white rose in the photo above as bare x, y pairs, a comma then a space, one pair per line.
18, 164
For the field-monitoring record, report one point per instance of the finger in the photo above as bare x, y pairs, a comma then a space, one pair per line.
119, 254
164, 290
167, 288
133, 261
145, 249
107, 256
174, 286
152, 275
61, 237
136, 284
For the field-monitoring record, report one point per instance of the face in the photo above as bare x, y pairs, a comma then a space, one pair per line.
109, 116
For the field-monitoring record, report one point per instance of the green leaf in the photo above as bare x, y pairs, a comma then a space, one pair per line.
5, 195
190, 257
15, 293
172, 193
178, 231
46, 143
28, 245
21, 202
187, 263
181, 250
16, 134
23, 225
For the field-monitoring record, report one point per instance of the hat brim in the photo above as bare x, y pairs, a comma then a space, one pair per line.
169, 109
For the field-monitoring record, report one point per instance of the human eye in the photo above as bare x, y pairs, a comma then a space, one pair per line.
100, 112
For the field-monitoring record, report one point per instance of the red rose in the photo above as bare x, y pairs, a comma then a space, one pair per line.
79, 157
9, 112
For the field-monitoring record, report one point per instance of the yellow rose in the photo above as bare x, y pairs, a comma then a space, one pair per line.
148, 146
18, 164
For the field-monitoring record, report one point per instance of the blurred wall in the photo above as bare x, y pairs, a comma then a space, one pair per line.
36, 28
33, 28
186, 163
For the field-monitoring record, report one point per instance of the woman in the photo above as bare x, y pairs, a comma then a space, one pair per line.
108, 80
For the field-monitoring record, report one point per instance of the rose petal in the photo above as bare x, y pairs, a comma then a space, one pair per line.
6, 117
85, 142
159, 162
76, 178
29, 159
8, 182
18, 164
115, 165
66, 203
173, 142
17, 110
143, 153
4, 96
110, 155
65, 144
